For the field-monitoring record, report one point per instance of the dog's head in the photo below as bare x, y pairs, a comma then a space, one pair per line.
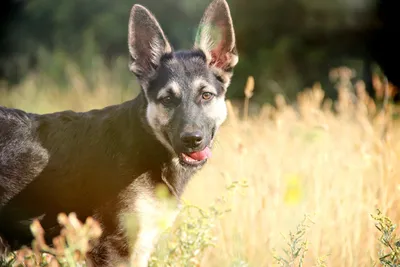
185, 90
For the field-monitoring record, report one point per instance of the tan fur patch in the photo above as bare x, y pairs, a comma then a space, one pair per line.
173, 86
199, 82
217, 110
158, 117
144, 219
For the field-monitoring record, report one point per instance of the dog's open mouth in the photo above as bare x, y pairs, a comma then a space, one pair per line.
196, 158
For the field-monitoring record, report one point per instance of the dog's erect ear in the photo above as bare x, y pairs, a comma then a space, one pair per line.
146, 41
216, 37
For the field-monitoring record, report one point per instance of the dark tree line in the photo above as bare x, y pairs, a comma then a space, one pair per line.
291, 44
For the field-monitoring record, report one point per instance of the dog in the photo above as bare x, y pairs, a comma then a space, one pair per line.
107, 163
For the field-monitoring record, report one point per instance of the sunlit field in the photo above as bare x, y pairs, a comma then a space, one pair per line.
335, 167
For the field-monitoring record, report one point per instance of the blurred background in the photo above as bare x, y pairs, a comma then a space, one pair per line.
285, 45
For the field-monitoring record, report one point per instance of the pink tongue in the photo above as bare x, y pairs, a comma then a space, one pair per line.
201, 155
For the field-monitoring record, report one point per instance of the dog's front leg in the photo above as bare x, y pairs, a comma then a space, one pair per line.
144, 245
153, 217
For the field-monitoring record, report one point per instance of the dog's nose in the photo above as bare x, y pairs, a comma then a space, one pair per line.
192, 139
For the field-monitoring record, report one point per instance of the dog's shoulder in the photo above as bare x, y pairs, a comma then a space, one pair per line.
22, 158
13, 117
15, 127
18, 142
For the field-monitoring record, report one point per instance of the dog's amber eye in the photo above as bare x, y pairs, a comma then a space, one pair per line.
206, 96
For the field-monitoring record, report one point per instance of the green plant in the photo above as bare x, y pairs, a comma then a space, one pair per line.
389, 253
188, 243
297, 247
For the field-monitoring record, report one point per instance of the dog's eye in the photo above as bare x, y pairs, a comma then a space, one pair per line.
166, 100
206, 96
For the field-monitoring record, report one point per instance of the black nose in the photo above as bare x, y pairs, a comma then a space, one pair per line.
192, 139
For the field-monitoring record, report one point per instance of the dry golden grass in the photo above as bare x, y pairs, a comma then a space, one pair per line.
337, 168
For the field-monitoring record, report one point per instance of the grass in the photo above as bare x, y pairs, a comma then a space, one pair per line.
288, 162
